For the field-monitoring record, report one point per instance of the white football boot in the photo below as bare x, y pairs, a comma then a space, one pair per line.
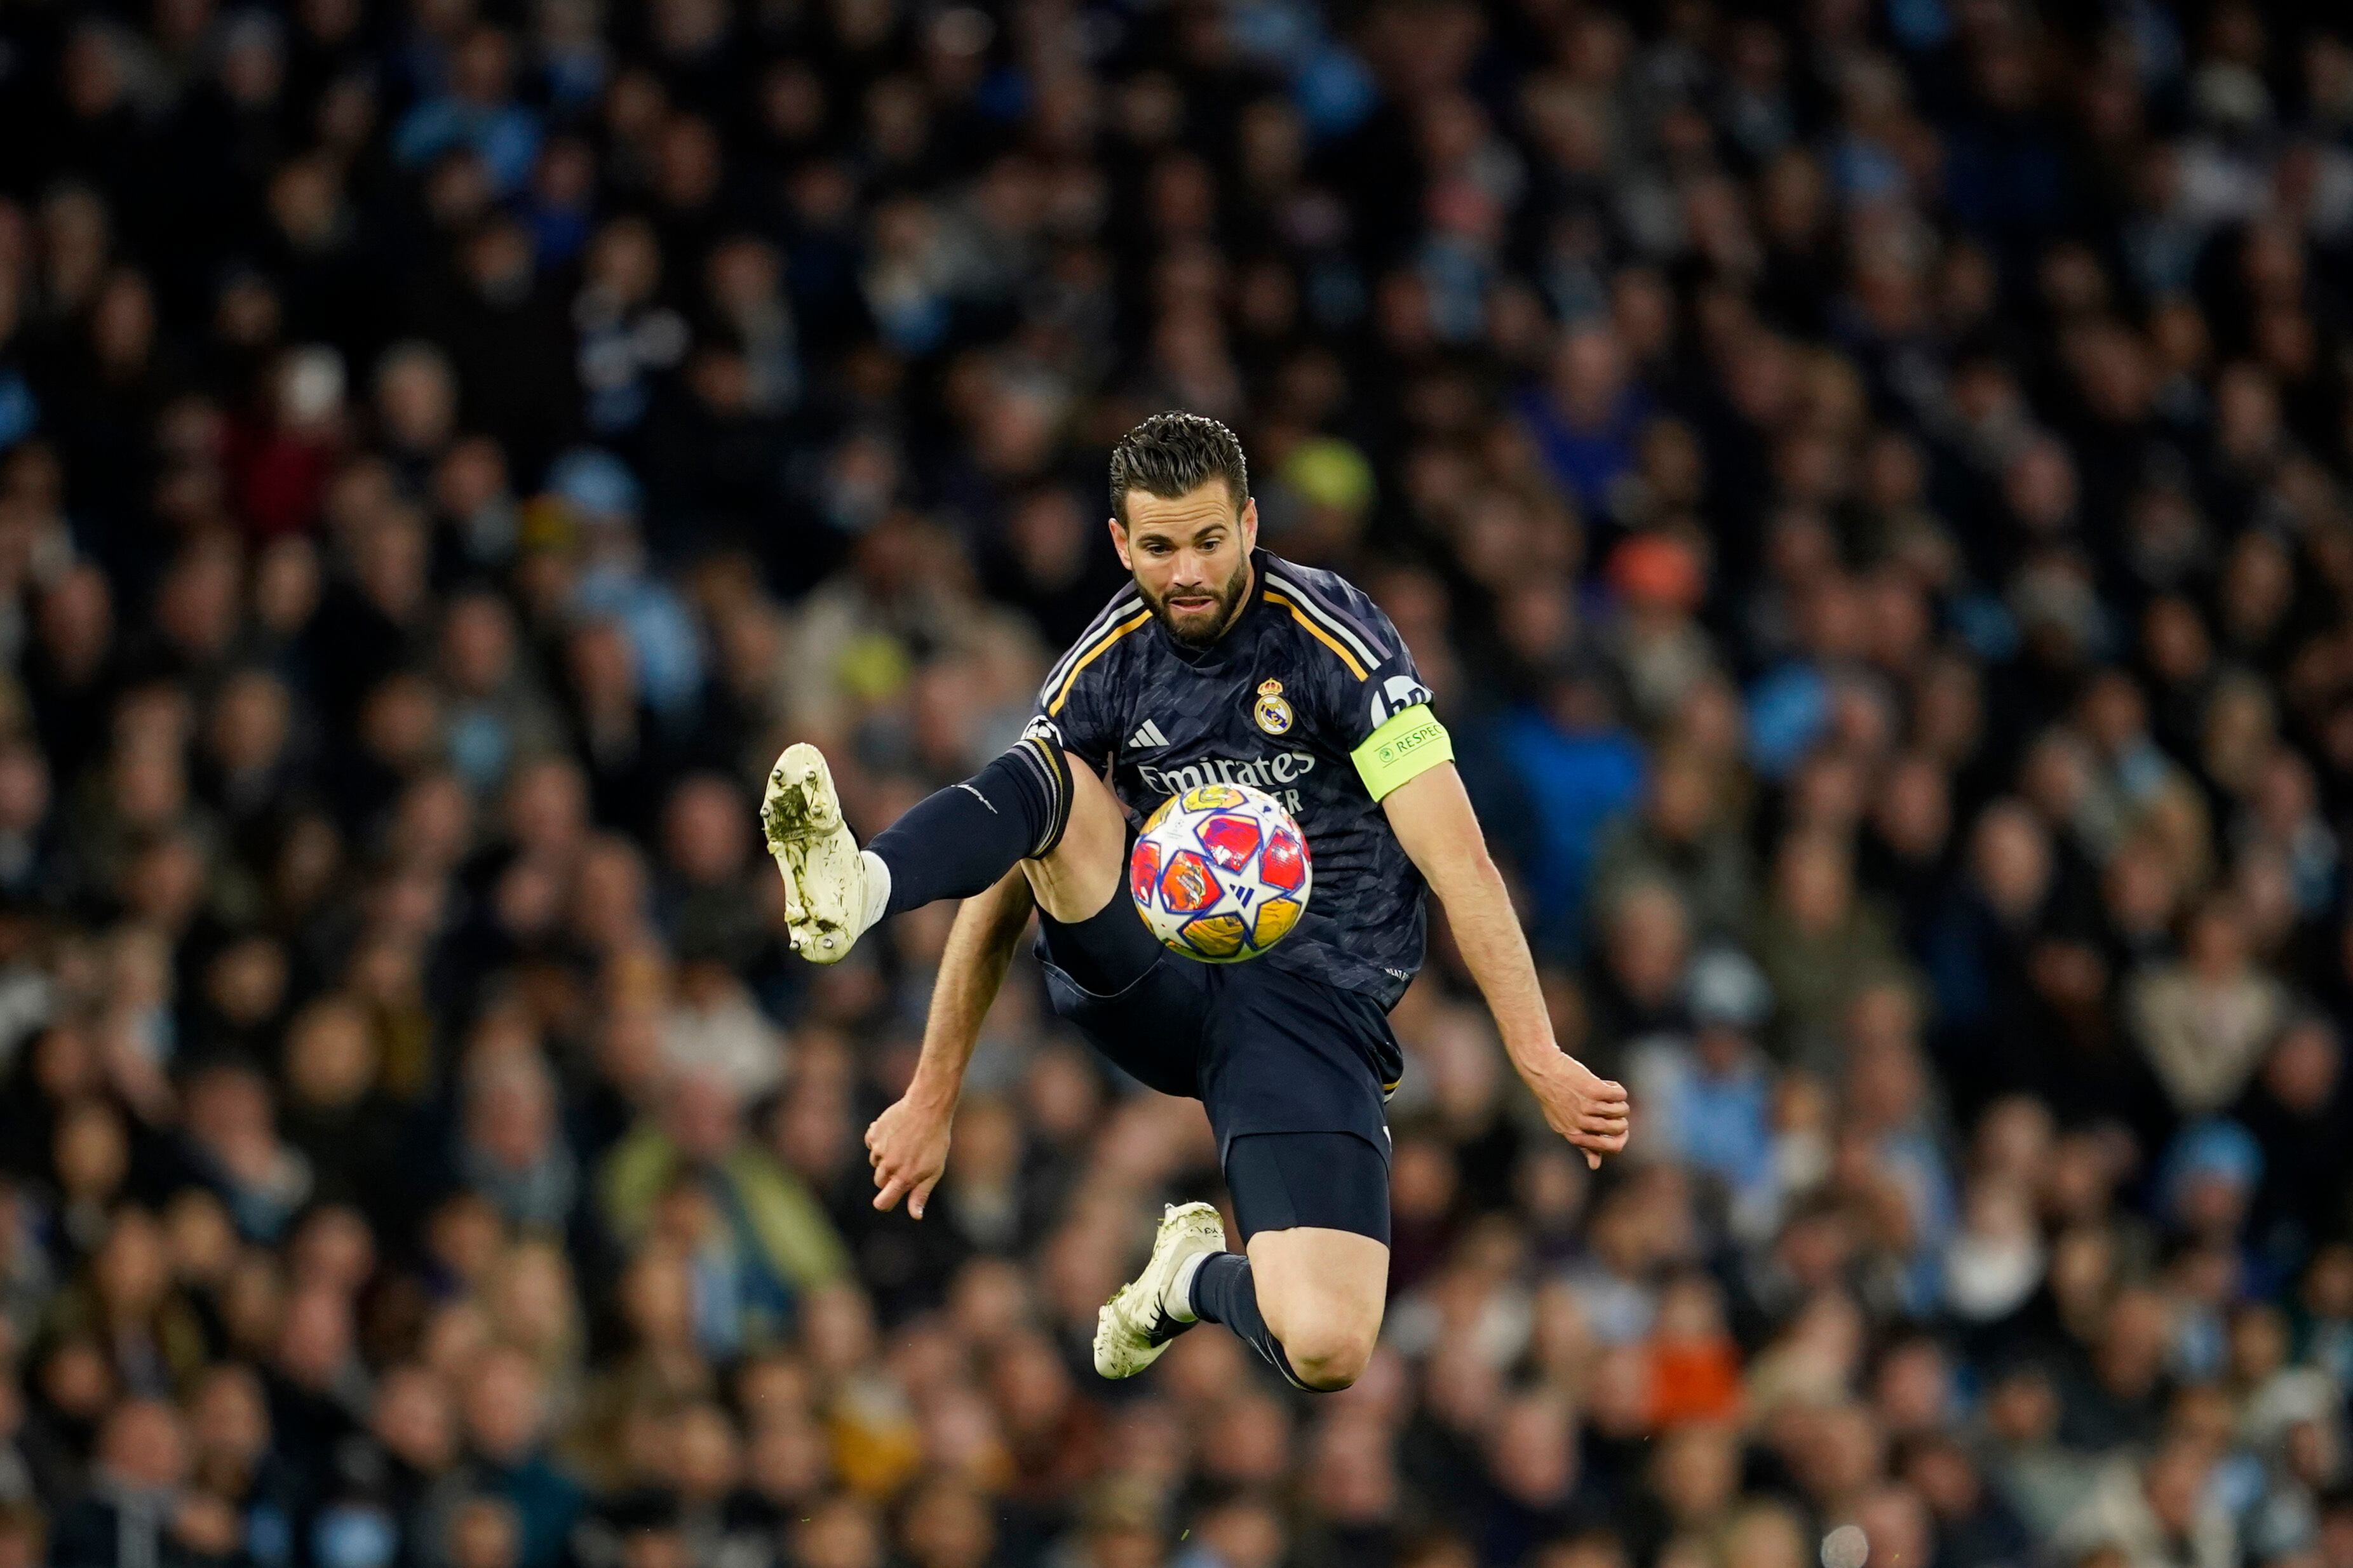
828, 882
1139, 1321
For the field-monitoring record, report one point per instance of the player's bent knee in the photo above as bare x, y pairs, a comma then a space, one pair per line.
1329, 1356
1327, 1334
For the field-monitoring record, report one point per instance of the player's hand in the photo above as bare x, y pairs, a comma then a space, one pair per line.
908, 1147
1590, 1111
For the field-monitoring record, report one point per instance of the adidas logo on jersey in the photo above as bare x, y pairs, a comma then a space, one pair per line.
1147, 738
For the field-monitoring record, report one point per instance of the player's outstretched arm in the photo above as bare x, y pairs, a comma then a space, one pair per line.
1432, 815
908, 1143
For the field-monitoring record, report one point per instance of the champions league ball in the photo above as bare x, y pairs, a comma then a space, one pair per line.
1221, 873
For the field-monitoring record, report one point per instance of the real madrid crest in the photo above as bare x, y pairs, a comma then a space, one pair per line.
1272, 713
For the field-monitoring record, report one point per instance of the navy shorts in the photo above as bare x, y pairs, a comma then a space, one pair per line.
1268, 1053
1333, 1180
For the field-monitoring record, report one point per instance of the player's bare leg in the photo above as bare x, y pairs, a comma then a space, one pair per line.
1322, 1292
1088, 868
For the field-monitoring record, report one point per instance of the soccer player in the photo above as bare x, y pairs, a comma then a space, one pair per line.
1219, 662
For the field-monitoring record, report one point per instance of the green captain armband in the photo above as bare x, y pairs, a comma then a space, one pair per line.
1411, 743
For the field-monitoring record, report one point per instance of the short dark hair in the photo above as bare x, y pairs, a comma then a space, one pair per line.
1171, 454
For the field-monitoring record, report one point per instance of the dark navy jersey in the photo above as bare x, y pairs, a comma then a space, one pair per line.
1308, 670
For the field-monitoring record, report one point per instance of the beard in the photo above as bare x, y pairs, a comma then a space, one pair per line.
1200, 627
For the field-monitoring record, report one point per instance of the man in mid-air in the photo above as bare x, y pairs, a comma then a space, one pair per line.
1220, 662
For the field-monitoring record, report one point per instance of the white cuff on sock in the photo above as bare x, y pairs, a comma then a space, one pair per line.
877, 888
1180, 1289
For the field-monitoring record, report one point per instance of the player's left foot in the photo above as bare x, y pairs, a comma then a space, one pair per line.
1136, 1325
825, 877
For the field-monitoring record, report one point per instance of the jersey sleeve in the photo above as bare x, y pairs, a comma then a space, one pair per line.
1368, 699
1075, 706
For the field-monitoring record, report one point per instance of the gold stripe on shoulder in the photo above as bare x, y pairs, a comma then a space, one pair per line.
1318, 633
1102, 646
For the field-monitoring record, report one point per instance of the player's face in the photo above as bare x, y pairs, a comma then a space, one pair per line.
1190, 557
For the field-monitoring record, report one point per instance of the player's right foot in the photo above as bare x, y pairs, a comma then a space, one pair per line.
824, 878
1136, 1325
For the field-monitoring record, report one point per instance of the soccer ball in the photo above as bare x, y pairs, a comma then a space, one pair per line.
1221, 873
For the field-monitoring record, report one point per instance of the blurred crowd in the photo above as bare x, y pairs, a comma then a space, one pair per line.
1867, 481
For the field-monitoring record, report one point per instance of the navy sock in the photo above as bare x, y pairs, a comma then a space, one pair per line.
1224, 1292
959, 841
